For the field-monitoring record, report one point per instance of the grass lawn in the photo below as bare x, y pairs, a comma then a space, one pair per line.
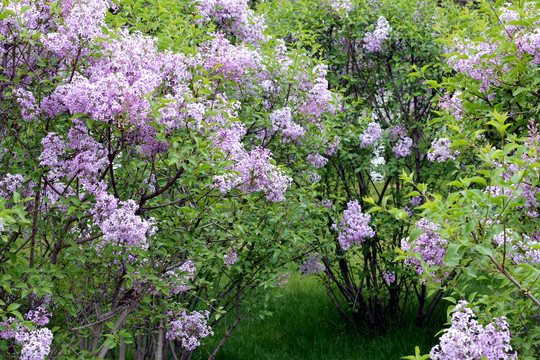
306, 325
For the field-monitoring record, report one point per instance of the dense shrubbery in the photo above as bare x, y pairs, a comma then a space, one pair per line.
163, 164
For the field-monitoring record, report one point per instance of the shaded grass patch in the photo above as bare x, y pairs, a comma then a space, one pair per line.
306, 325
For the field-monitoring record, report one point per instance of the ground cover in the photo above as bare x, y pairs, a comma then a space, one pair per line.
306, 325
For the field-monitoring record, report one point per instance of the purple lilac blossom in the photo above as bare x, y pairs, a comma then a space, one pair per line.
389, 277
403, 147
523, 187
441, 151
373, 41
409, 211
36, 344
354, 226
254, 172
9, 184
282, 280
416, 200
371, 136
122, 226
397, 131
189, 329
236, 16
282, 121
312, 264
29, 107
453, 105
466, 339
40, 316
333, 146
327, 203
482, 61
179, 278
230, 258
317, 160
520, 251
429, 244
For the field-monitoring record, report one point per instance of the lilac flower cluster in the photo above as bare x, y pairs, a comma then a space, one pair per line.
523, 187
340, 7
282, 121
179, 277
453, 105
312, 264
327, 203
317, 160
389, 277
40, 316
402, 147
354, 226
282, 280
9, 184
80, 156
429, 244
416, 201
189, 329
466, 339
253, 172
520, 251
29, 107
36, 341
481, 63
397, 131
235, 16
371, 136
230, 258
36, 344
333, 146
373, 41
441, 151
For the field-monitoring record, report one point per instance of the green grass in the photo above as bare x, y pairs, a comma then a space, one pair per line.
306, 325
